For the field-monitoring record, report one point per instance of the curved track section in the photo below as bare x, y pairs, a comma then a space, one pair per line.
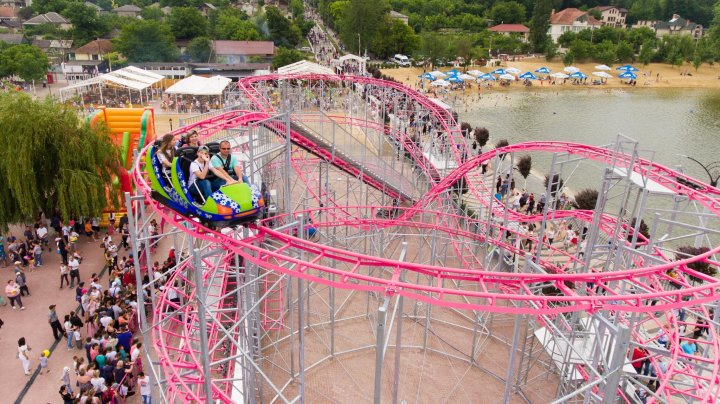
646, 287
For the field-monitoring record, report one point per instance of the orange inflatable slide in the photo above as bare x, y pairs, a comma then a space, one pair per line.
130, 129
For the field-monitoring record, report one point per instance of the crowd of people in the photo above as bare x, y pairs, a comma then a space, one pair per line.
107, 364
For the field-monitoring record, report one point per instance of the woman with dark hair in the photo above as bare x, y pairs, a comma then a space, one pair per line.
165, 154
24, 356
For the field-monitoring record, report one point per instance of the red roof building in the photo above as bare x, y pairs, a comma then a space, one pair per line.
512, 29
233, 52
571, 20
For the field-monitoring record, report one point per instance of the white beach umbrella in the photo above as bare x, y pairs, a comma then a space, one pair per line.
559, 75
438, 73
440, 83
506, 77
466, 77
602, 67
475, 73
571, 70
603, 75
513, 70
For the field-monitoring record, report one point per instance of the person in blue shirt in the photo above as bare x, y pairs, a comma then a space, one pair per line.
227, 168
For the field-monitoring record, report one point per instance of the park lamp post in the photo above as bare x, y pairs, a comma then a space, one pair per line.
709, 169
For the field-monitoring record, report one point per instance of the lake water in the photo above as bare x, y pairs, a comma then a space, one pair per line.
669, 121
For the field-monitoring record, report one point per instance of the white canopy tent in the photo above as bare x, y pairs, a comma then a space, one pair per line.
304, 67
198, 85
350, 59
130, 78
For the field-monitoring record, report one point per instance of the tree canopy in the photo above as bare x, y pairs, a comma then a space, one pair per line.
285, 56
26, 61
187, 22
50, 160
146, 41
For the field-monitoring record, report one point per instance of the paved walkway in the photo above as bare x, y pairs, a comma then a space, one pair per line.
32, 324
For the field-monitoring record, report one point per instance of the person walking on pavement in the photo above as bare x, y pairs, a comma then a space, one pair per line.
23, 355
22, 283
74, 266
12, 291
55, 323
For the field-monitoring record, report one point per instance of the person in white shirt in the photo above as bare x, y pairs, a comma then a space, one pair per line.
74, 265
144, 382
199, 186
42, 233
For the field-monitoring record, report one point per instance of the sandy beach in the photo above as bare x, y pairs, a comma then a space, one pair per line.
654, 75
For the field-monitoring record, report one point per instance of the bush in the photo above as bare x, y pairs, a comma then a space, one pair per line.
524, 165
466, 128
643, 229
586, 199
702, 267
556, 184
499, 144
482, 135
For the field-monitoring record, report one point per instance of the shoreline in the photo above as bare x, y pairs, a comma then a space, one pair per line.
652, 76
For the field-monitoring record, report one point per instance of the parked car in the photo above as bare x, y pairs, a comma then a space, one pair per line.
401, 60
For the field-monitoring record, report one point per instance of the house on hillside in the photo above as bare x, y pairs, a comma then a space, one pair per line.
8, 14
49, 18
397, 16
55, 49
679, 26
206, 8
11, 26
12, 39
97, 8
15, 3
234, 52
512, 29
128, 10
93, 50
612, 16
570, 20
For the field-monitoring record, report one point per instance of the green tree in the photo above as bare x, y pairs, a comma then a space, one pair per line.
625, 52
433, 47
647, 51
146, 41
510, 12
550, 51
26, 61
285, 56
296, 8
52, 162
581, 50
199, 49
87, 24
282, 31
187, 22
395, 37
539, 24
568, 59
604, 52
364, 18
234, 25
152, 13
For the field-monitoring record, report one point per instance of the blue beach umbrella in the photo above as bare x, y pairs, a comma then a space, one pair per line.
628, 68
487, 77
542, 70
427, 76
628, 75
453, 72
454, 79
578, 75
528, 76
498, 71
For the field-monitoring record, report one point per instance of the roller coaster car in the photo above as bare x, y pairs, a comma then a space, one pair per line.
231, 205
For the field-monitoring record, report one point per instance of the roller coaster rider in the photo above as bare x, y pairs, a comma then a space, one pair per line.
227, 170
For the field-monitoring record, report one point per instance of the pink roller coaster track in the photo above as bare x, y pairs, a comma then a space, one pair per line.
482, 290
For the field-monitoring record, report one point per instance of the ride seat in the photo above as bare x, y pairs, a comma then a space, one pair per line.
186, 156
